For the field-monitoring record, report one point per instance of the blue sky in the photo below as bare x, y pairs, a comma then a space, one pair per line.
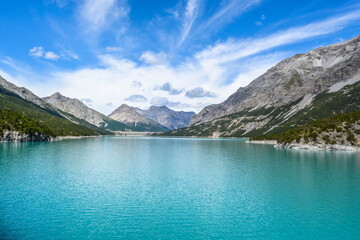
185, 53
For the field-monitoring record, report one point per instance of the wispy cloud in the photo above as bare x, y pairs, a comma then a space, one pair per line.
227, 11
100, 14
191, 13
39, 52
232, 49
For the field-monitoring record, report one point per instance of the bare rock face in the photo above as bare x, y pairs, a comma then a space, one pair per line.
13, 136
303, 75
76, 108
167, 117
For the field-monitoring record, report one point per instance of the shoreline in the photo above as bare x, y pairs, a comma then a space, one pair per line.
308, 146
75, 137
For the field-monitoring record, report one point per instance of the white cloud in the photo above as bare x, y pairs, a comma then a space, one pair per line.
114, 81
154, 58
51, 56
39, 52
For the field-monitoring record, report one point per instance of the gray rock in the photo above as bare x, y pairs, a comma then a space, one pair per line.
303, 75
13, 136
76, 108
25, 94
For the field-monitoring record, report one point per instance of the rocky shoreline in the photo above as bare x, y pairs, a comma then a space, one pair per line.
309, 146
13, 136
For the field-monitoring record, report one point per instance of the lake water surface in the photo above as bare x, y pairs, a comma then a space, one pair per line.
176, 188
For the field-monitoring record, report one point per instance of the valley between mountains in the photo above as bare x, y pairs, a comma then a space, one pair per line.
298, 91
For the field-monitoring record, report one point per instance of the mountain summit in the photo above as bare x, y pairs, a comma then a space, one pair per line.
76, 108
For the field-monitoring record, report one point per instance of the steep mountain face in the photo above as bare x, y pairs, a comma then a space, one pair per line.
290, 89
76, 108
167, 117
25, 94
29, 118
130, 116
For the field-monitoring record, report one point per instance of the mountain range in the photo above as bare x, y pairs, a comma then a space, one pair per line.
124, 118
62, 116
298, 90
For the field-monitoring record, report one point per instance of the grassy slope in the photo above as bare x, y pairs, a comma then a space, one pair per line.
324, 105
57, 124
13, 121
339, 128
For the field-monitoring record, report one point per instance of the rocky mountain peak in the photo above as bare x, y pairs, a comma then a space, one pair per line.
76, 107
301, 76
24, 93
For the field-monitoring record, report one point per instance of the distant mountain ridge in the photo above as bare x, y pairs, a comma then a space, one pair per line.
167, 117
124, 118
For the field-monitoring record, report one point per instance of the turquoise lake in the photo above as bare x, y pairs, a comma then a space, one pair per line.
176, 188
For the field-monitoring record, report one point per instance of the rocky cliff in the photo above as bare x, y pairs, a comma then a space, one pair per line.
290, 89
14, 136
